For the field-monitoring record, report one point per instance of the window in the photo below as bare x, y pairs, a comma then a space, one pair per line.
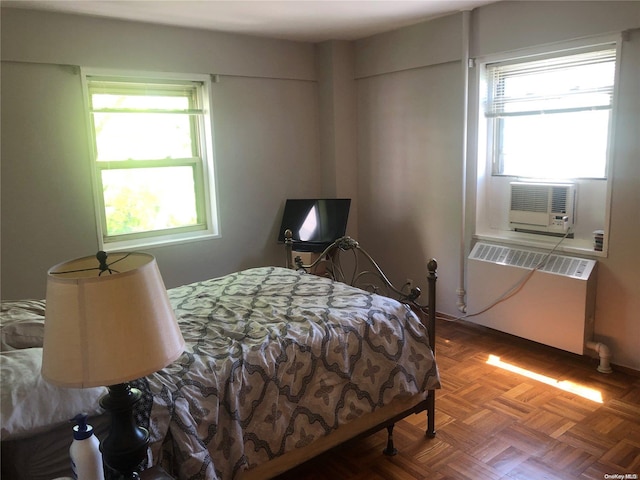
546, 117
550, 117
152, 158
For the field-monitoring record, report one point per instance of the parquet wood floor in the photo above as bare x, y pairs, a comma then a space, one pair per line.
494, 423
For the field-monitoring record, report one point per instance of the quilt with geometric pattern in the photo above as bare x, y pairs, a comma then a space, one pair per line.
275, 359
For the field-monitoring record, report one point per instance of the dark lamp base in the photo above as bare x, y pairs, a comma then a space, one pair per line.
125, 446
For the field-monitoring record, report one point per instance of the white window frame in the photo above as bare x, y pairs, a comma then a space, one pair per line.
492, 190
205, 169
497, 109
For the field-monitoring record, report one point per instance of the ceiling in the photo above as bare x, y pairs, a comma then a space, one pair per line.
301, 20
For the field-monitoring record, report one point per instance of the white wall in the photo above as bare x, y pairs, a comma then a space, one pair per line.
271, 127
410, 101
338, 122
510, 26
410, 98
410, 173
46, 37
265, 127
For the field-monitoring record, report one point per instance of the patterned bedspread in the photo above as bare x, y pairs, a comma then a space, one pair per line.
275, 359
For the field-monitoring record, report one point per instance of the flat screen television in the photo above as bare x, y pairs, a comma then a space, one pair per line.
315, 223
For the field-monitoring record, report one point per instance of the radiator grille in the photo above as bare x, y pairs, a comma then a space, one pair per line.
554, 306
557, 264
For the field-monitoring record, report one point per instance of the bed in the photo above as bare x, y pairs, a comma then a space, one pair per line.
280, 365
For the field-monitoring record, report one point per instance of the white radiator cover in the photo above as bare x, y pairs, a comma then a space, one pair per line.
556, 306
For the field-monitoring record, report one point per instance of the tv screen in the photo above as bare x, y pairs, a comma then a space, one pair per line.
315, 223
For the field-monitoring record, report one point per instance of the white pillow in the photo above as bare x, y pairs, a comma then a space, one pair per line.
24, 334
21, 324
28, 403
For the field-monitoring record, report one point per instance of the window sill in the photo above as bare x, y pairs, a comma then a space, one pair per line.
157, 241
574, 246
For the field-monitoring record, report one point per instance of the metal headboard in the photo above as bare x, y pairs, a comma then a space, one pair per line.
369, 276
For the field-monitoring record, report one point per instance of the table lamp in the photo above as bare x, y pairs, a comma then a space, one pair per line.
108, 320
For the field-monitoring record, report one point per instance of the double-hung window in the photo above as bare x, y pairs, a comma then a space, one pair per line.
550, 117
546, 118
152, 158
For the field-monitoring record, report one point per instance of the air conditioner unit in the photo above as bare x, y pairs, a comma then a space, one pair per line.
546, 208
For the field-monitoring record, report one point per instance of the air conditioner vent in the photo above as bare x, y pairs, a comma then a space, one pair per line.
557, 264
529, 198
559, 200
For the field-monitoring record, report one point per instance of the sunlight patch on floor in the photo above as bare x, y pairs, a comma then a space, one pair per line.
565, 385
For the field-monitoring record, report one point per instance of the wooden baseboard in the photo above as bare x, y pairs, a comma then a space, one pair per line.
590, 358
626, 370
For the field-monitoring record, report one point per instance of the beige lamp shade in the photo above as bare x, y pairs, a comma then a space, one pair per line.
106, 328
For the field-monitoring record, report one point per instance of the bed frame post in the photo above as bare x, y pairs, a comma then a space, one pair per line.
432, 266
288, 247
391, 450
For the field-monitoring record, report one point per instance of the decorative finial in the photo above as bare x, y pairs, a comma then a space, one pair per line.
102, 258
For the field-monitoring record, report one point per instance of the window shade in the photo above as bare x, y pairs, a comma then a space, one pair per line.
576, 82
